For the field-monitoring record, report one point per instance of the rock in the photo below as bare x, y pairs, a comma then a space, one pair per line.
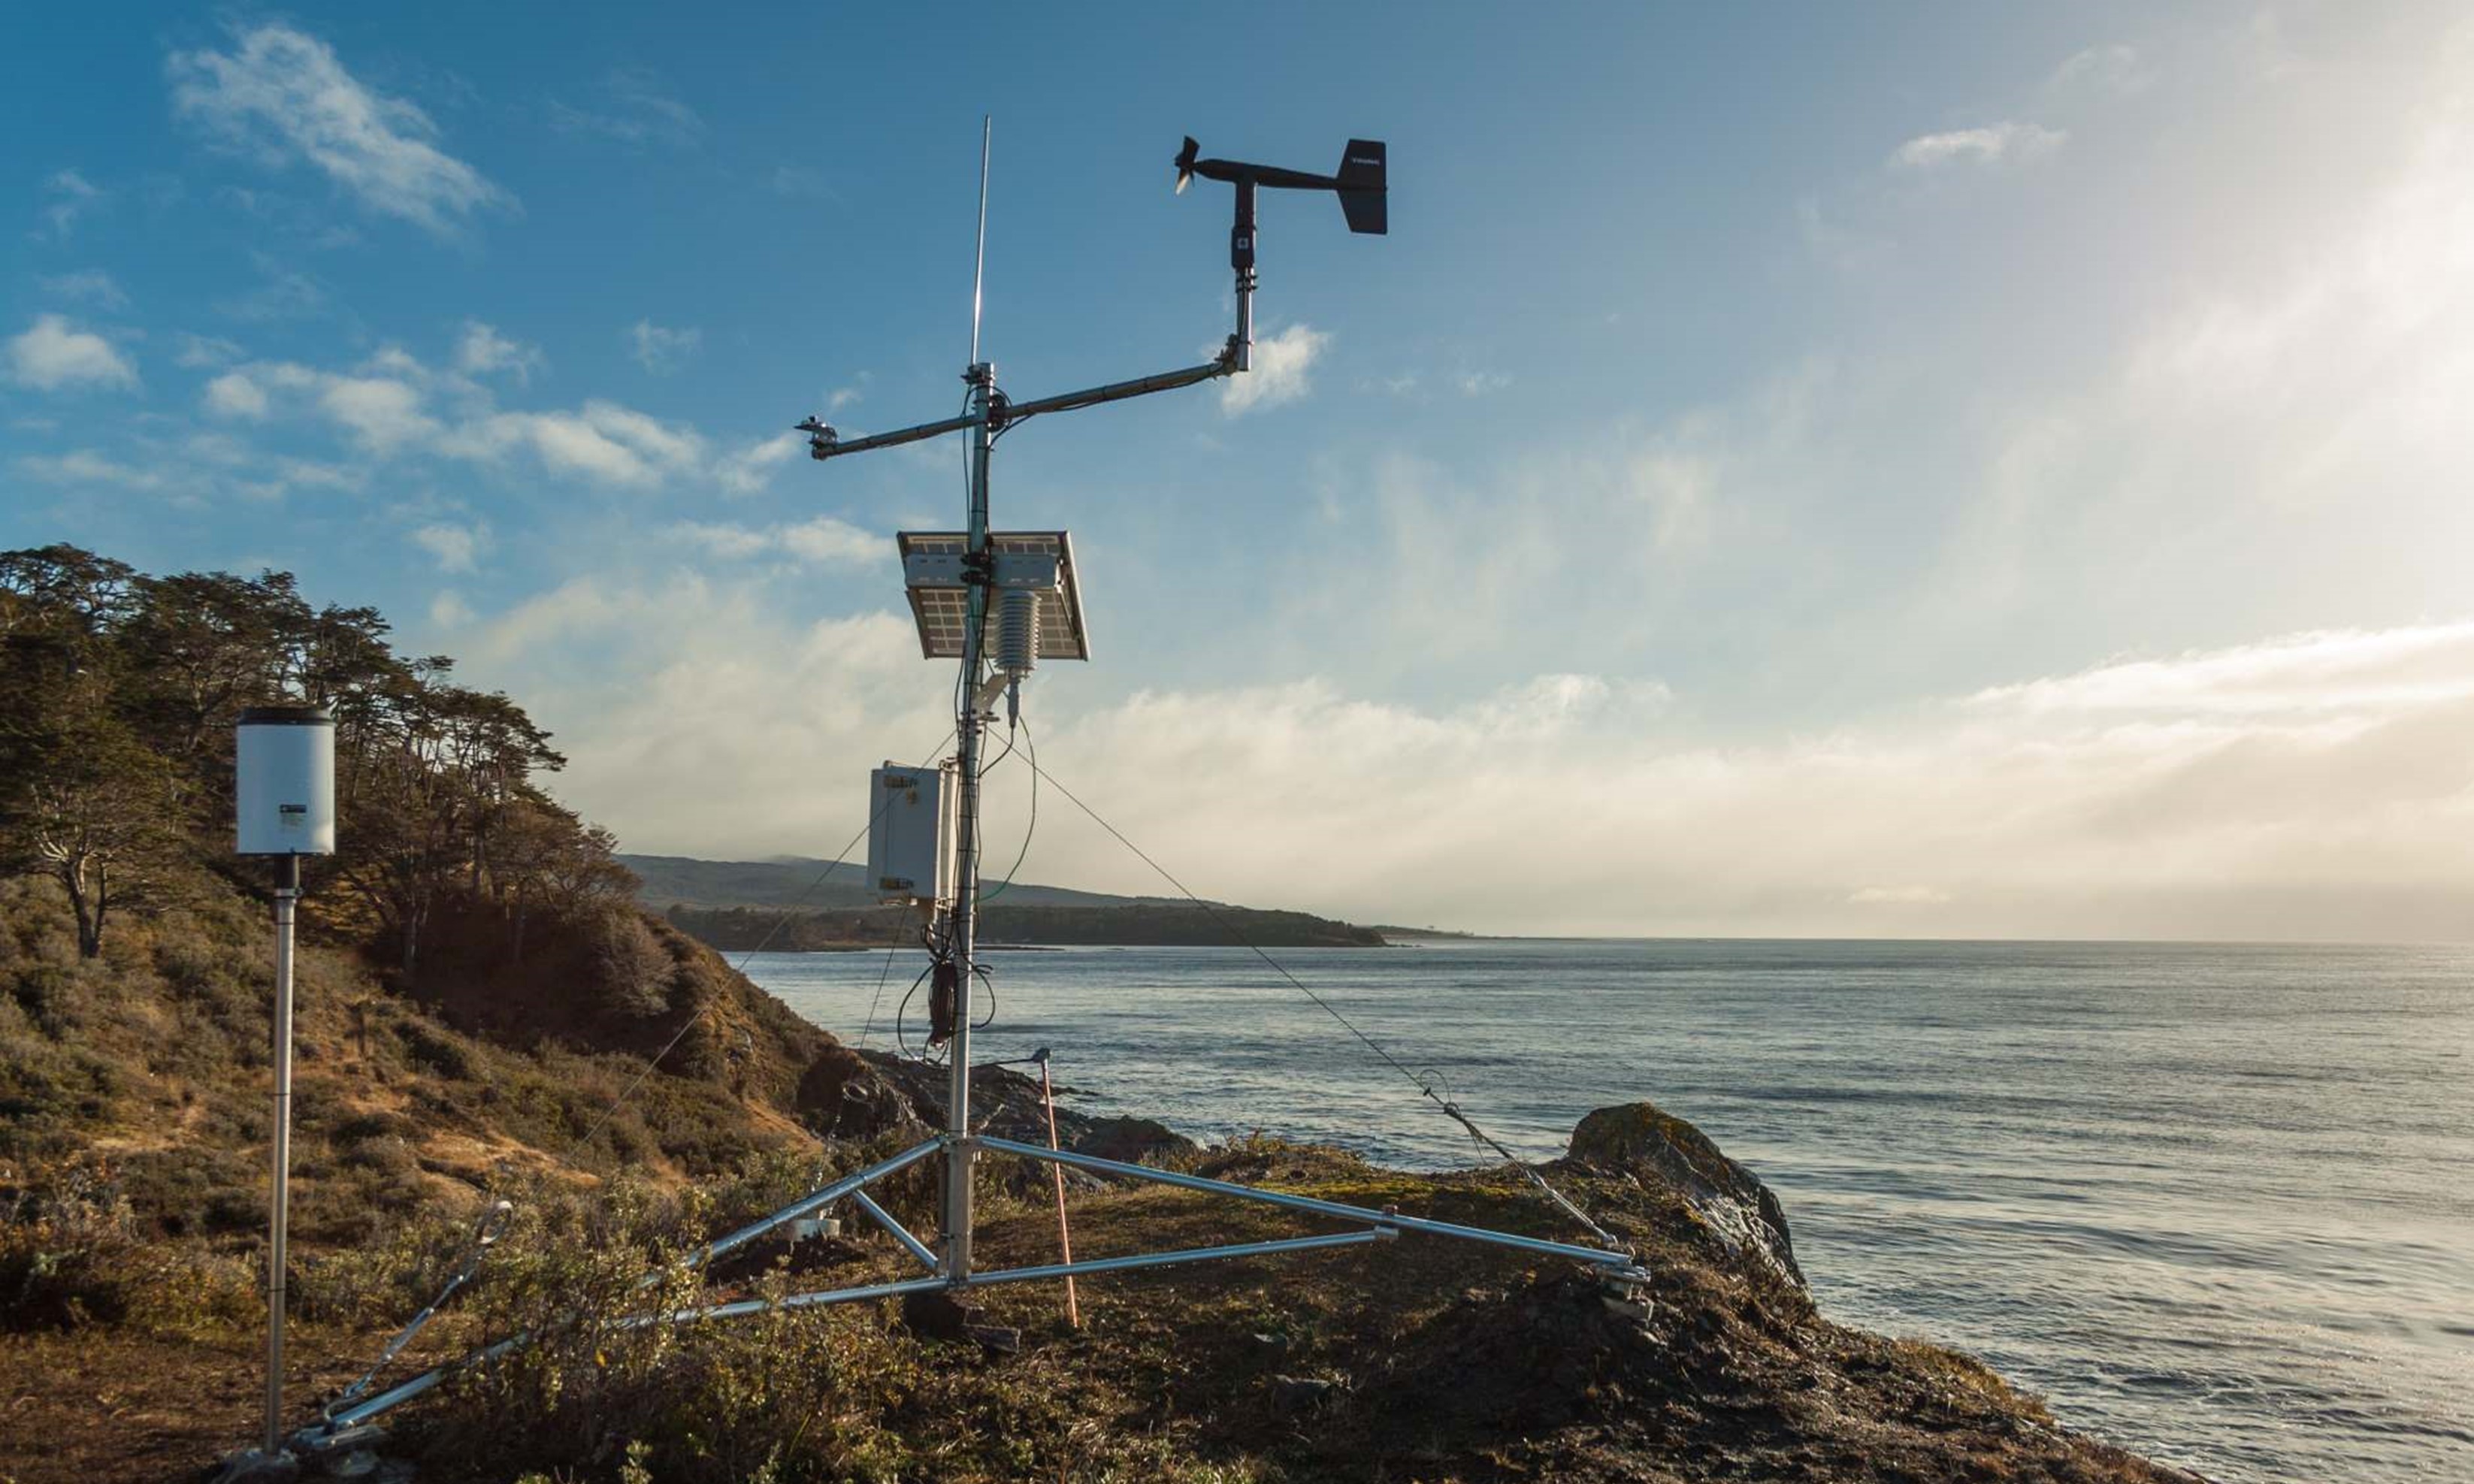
1641, 1139
255, 1467
1129, 1140
996, 1339
1300, 1393
356, 1464
935, 1314
846, 1095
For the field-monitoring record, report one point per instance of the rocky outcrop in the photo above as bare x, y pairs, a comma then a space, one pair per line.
1643, 1141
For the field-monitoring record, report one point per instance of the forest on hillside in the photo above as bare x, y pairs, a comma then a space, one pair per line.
118, 694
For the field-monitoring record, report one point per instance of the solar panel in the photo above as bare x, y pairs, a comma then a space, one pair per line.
943, 609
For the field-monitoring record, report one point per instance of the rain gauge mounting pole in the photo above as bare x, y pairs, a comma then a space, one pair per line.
285, 808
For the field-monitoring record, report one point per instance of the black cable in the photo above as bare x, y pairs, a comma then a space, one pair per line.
1032, 828
868, 1030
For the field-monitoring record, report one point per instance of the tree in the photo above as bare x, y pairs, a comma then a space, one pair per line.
100, 818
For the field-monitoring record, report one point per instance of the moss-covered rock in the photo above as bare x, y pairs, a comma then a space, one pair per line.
1641, 1139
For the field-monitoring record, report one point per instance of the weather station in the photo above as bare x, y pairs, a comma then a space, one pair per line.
997, 603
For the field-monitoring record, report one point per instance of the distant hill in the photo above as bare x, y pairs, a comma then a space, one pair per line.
738, 904
793, 882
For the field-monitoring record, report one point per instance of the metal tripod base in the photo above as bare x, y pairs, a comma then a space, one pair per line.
944, 1271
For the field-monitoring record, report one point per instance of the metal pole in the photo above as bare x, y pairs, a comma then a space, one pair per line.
287, 895
1241, 257
966, 861
1064, 1235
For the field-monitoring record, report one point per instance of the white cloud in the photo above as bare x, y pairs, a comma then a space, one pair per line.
660, 351
51, 354
482, 350
602, 441
233, 395
454, 547
2353, 818
91, 285
380, 412
284, 97
2341, 671
448, 610
752, 468
84, 466
393, 403
1992, 144
826, 540
823, 540
1281, 363
69, 196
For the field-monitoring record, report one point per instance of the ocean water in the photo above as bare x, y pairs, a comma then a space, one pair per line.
2216, 1203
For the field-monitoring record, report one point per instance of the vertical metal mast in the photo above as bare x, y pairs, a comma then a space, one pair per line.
981, 378
287, 898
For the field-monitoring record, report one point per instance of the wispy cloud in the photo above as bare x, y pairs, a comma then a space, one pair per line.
752, 468
68, 197
455, 548
2327, 671
282, 294
284, 97
481, 350
2116, 68
91, 286
53, 355
803, 183
600, 440
1282, 364
2008, 142
662, 351
86, 466
823, 540
639, 109
202, 350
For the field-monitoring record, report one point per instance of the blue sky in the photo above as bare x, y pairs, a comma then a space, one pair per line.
1918, 469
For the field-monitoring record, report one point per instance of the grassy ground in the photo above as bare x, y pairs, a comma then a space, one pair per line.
1423, 1358
131, 1097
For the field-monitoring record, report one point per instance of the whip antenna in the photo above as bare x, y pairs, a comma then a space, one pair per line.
979, 259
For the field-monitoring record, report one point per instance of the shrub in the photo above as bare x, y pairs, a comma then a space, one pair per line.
67, 1234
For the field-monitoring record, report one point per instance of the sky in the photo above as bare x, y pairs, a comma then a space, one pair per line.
1924, 469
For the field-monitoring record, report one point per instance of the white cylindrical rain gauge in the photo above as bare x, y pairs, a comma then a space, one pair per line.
284, 785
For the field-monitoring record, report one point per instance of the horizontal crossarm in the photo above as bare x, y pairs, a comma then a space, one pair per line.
1588, 1254
1116, 391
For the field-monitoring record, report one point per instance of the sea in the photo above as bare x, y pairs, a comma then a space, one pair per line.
2214, 1202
